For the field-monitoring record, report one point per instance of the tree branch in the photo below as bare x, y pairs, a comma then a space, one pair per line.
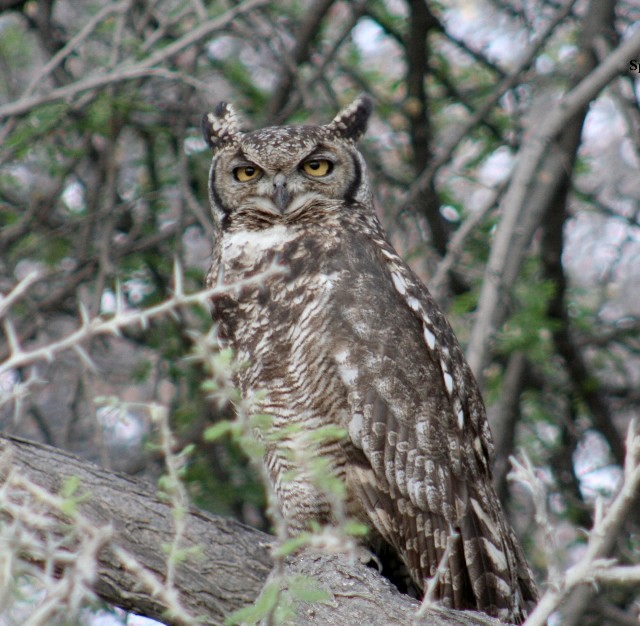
146, 67
594, 565
539, 158
307, 32
232, 563
230, 566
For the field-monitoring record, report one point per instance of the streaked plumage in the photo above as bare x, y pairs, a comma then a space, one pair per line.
349, 336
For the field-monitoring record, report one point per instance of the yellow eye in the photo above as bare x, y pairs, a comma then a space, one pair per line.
317, 167
246, 173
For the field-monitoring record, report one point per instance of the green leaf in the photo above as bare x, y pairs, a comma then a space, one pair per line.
70, 486
261, 421
183, 554
356, 529
70, 499
291, 545
219, 429
264, 605
330, 432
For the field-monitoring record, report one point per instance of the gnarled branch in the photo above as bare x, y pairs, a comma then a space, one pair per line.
231, 562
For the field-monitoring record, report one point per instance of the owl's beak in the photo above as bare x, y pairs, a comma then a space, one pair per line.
280, 193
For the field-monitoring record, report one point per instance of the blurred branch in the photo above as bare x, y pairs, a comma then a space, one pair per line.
503, 416
420, 24
306, 33
512, 79
537, 159
553, 227
594, 566
476, 55
457, 244
620, 575
146, 67
296, 98
75, 42
623, 330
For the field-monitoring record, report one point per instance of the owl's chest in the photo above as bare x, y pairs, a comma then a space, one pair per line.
298, 275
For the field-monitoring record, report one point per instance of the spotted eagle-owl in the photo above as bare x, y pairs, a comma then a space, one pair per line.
347, 335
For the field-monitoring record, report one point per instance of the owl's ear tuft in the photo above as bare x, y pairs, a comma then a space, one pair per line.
221, 127
351, 122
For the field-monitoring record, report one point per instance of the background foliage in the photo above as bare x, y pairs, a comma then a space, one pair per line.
103, 185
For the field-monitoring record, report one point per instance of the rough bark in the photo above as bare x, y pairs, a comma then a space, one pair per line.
234, 560
228, 573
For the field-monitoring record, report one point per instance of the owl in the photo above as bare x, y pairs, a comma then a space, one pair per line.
347, 336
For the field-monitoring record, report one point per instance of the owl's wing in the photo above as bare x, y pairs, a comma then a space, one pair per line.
417, 416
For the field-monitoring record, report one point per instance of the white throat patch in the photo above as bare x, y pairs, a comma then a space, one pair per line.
254, 243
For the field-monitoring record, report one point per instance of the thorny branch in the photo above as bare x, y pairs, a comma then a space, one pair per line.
92, 327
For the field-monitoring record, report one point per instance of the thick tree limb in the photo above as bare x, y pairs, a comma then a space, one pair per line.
359, 595
233, 560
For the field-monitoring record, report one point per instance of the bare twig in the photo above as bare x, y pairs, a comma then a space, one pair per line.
75, 42
594, 564
146, 67
6, 302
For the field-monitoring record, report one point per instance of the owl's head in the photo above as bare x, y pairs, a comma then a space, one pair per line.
285, 173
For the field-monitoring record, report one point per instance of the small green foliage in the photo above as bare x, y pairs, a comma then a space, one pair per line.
355, 528
181, 555
220, 429
465, 303
41, 122
262, 607
530, 328
70, 486
165, 484
278, 600
69, 493
327, 433
307, 589
325, 479
293, 544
